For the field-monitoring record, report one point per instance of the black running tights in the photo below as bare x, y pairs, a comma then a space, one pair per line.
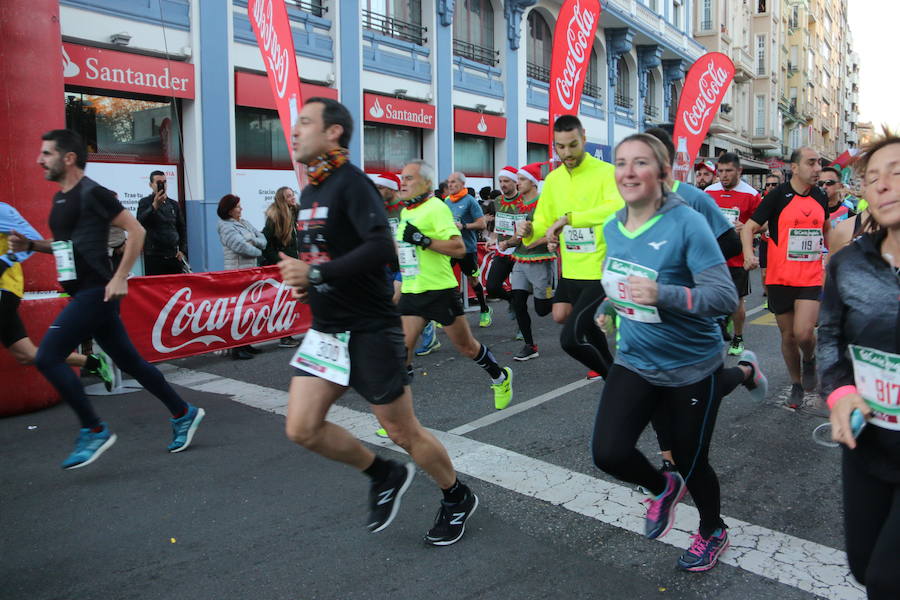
519, 301
580, 337
498, 272
627, 403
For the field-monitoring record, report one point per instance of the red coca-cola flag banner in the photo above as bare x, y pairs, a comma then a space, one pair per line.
703, 91
272, 29
573, 39
173, 316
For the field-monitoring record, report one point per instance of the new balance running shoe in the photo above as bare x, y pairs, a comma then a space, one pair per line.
704, 552
661, 509
758, 383
450, 523
430, 342
486, 318
503, 391
89, 446
384, 496
526, 353
184, 428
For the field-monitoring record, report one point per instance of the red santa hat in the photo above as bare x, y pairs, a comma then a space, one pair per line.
532, 172
388, 180
508, 171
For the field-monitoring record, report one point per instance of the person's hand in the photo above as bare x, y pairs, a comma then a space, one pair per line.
502, 245
553, 230
840, 418
180, 255
294, 272
552, 247
751, 262
460, 226
301, 296
412, 235
738, 226
602, 321
158, 198
643, 290
116, 289
524, 229
17, 242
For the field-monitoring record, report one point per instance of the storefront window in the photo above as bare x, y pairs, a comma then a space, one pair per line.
537, 153
389, 147
474, 155
259, 139
129, 130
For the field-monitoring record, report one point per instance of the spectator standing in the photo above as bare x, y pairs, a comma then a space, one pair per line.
280, 232
166, 241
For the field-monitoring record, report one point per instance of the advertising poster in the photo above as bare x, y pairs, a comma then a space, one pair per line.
256, 189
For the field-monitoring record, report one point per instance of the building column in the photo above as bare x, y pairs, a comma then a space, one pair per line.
649, 57
673, 70
516, 148
618, 42
443, 85
349, 62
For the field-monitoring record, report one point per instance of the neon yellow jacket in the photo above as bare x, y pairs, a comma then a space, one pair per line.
588, 195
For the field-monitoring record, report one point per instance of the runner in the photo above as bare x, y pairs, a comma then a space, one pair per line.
738, 200
12, 288
667, 280
506, 207
345, 243
830, 183
534, 272
773, 180
849, 230
704, 174
859, 354
388, 185
469, 219
80, 218
796, 213
575, 200
427, 239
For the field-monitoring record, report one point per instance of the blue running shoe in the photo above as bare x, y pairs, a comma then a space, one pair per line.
758, 384
430, 342
184, 428
89, 446
704, 553
661, 509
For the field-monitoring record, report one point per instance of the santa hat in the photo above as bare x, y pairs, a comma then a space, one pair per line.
532, 172
388, 180
508, 171
705, 164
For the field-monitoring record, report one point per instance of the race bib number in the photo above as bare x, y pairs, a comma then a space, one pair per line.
877, 377
580, 239
409, 259
64, 254
618, 290
732, 214
805, 245
505, 223
326, 355
394, 223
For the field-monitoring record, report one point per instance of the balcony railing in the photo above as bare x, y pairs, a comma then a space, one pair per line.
313, 7
706, 25
395, 28
623, 101
479, 54
538, 72
592, 90
651, 111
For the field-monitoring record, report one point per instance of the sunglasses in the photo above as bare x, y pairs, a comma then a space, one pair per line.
828, 182
772, 185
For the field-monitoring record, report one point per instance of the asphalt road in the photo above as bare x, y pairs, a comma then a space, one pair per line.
246, 514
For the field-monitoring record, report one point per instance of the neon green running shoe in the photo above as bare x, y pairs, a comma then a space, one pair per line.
382, 433
104, 370
503, 391
486, 318
737, 346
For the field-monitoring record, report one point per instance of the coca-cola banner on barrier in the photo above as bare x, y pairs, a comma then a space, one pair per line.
703, 91
269, 20
173, 316
573, 39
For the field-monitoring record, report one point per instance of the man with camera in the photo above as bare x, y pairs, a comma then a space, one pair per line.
164, 249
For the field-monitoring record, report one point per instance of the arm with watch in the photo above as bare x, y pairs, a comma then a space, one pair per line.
454, 247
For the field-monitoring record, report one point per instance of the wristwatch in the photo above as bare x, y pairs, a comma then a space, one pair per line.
315, 275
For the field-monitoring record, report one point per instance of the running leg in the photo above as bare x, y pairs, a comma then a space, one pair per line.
499, 271
580, 337
806, 313
789, 348
519, 301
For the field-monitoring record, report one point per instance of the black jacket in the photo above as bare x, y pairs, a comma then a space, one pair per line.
165, 227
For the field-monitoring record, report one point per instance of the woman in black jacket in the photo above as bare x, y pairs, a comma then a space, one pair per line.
281, 236
859, 358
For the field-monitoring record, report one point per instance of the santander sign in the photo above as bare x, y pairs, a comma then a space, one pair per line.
125, 71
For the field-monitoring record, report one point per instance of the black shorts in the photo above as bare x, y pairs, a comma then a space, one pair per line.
741, 278
443, 306
377, 364
570, 290
468, 264
782, 297
11, 327
763, 252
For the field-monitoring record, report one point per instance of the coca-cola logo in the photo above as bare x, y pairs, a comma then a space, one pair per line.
711, 88
263, 307
578, 41
276, 56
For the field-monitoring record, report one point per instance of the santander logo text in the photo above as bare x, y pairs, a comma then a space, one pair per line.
264, 305
276, 56
710, 88
578, 38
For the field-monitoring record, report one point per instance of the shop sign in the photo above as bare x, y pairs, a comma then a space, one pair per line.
384, 109
126, 72
477, 123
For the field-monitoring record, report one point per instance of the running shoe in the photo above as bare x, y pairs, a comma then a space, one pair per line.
503, 391
450, 524
384, 496
796, 398
89, 446
704, 552
668, 467
526, 353
430, 343
726, 336
758, 383
486, 318
593, 376
737, 346
382, 433
288, 342
661, 509
104, 370
519, 336
808, 375
184, 428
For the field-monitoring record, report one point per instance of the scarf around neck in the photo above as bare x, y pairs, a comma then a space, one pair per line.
325, 164
458, 195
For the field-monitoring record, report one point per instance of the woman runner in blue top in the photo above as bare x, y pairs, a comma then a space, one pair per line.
666, 279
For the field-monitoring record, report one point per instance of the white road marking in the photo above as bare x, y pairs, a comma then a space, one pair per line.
755, 310
790, 560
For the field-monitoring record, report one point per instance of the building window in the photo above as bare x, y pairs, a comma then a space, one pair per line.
623, 85
591, 87
259, 139
794, 20
653, 4
473, 31
760, 116
400, 19
537, 152
130, 130
474, 155
760, 6
539, 47
676, 14
313, 7
673, 104
651, 108
706, 15
761, 55
388, 147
